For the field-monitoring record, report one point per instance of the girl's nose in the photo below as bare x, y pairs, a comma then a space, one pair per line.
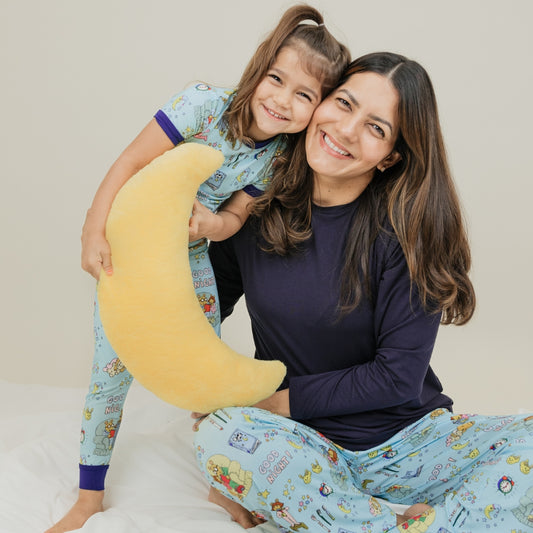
282, 98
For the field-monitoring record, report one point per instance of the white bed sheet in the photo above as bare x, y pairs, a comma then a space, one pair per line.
153, 484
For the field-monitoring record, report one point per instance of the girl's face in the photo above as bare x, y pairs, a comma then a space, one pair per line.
353, 131
285, 99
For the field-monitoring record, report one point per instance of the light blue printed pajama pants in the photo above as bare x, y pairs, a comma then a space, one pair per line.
110, 380
473, 470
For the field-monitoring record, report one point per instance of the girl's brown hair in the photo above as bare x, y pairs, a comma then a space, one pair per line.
417, 196
322, 56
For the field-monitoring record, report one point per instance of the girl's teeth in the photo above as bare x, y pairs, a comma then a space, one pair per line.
334, 147
275, 114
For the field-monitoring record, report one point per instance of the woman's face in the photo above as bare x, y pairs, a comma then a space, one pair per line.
353, 131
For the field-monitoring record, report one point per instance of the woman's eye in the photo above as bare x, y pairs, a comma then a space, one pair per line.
378, 130
343, 102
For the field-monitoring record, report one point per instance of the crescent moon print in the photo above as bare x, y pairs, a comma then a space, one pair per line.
148, 307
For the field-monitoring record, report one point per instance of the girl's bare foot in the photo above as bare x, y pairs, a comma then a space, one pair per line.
415, 510
89, 502
242, 516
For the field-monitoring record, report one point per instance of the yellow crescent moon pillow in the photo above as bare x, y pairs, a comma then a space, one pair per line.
148, 307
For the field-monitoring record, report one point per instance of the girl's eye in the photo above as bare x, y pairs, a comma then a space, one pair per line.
305, 95
275, 77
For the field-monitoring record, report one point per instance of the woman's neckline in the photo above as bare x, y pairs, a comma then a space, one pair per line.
335, 206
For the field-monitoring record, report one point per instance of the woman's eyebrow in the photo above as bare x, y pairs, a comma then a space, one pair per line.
354, 101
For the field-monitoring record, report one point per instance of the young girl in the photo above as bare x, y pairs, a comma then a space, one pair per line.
292, 70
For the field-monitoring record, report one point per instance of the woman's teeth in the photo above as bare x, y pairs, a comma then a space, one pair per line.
334, 147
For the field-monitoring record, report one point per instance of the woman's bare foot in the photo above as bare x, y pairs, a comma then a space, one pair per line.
242, 516
415, 510
89, 502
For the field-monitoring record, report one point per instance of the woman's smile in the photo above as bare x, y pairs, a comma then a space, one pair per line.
353, 133
338, 150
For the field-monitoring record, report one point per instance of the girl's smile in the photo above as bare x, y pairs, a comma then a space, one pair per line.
285, 99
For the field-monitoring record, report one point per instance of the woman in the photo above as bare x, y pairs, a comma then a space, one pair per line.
354, 261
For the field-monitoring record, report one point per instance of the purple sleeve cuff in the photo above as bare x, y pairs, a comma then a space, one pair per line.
253, 191
92, 477
168, 127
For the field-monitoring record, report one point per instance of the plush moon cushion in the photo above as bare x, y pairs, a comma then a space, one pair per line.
148, 307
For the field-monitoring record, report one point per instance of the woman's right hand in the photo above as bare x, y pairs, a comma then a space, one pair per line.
238, 513
95, 253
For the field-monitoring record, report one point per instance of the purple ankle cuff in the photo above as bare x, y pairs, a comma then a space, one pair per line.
93, 477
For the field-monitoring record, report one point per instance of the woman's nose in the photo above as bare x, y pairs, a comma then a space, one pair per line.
349, 128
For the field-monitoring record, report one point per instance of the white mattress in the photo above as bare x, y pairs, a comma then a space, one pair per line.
153, 482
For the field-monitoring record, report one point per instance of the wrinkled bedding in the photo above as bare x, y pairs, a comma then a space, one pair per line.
153, 485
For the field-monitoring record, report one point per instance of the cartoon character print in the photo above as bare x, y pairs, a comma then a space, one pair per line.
294, 443
105, 435
331, 455
525, 468
242, 176
492, 510
416, 439
215, 180
315, 467
325, 490
459, 432
419, 523
179, 101
399, 491
244, 441
236, 159
524, 512
208, 304
344, 506
340, 477
374, 506
96, 390
498, 443
388, 453
436, 413
282, 511
230, 474
306, 477
114, 367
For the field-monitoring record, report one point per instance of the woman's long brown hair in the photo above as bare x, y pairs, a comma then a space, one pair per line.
417, 196
322, 55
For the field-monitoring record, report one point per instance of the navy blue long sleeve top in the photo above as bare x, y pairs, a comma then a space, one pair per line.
359, 378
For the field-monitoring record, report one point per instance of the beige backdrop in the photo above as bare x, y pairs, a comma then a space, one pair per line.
80, 79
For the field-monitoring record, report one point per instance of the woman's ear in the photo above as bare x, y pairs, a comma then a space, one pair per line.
389, 161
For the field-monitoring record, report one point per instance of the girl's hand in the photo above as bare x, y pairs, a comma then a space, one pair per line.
203, 222
95, 254
198, 418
